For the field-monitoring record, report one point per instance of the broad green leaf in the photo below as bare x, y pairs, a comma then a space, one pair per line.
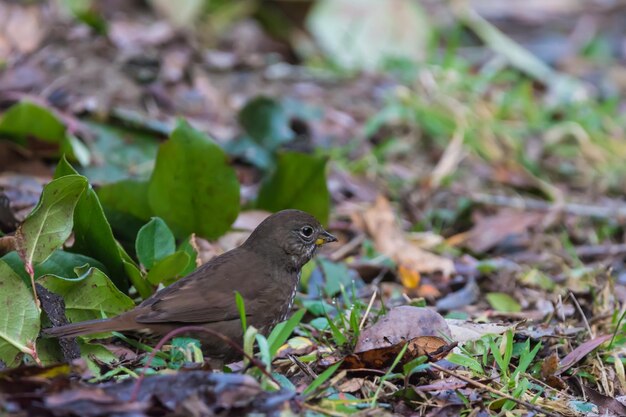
89, 296
92, 233
266, 122
123, 153
59, 263
50, 223
154, 242
26, 119
137, 280
95, 354
192, 187
299, 182
335, 275
63, 263
127, 196
168, 269
282, 331
188, 248
247, 149
503, 302
19, 316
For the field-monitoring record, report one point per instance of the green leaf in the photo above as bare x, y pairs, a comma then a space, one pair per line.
63, 263
192, 187
299, 182
123, 153
241, 308
137, 280
50, 223
89, 296
26, 119
503, 302
466, 361
19, 316
154, 242
59, 263
92, 233
127, 196
335, 275
266, 122
283, 330
188, 248
168, 270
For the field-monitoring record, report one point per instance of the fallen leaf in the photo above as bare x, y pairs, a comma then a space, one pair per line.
464, 331
503, 302
580, 352
489, 231
401, 324
549, 367
22, 28
408, 277
379, 358
605, 403
380, 223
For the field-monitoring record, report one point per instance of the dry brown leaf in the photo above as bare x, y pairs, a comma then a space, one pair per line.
488, 231
22, 28
434, 347
380, 223
464, 331
581, 352
401, 324
549, 366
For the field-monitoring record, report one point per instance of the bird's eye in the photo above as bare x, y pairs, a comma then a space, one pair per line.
306, 231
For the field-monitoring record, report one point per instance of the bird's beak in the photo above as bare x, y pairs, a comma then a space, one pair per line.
324, 237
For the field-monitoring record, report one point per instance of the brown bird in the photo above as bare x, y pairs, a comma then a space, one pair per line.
265, 270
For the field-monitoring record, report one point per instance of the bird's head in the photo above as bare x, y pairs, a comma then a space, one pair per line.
290, 236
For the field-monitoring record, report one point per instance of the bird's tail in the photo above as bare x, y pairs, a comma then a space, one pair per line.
89, 327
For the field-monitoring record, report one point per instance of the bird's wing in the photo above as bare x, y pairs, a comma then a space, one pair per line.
205, 296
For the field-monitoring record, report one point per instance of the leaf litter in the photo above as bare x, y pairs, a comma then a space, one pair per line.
523, 282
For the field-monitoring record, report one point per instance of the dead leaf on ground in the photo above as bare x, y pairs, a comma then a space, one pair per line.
22, 28
549, 367
580, 352
434, 347
380, 223
423, 329
489, 231
135, 36
464, 331
401, 324
606, 405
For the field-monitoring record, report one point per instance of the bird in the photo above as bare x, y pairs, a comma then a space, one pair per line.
265, 270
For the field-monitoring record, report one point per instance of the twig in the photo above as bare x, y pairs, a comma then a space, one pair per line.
495, 391
582, 314
199, 329
367, 310
576, 209
341, 253
303, 366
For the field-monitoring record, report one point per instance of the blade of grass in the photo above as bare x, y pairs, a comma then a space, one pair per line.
323, 377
